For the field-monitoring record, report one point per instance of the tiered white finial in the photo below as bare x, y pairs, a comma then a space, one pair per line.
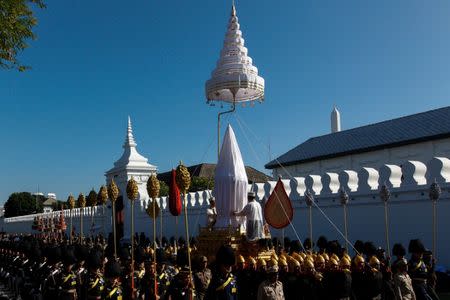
235, 79
129, 140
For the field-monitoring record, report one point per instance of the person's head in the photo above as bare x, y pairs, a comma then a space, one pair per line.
225, 259
272, 273
359, 263
251, 196
240, 262
150, 267
251, 264
212, 202
203, 262
401, 266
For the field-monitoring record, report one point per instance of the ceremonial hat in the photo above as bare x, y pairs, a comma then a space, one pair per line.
416, 246
322, 242
240, 259
282, 262
69, 256
251, 195
261, 262
345, 263
112, 269
225, 256
369, 249
251, 261
95, 259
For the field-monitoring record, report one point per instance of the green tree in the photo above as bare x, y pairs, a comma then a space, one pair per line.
19, 204
92, 198
163, 189
17, 22
201, 184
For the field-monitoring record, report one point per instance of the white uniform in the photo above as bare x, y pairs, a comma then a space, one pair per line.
211, 216
253, 212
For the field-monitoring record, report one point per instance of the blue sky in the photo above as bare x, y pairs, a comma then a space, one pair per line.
96, 62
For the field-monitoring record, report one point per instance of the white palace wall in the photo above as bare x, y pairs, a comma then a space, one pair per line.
410, 208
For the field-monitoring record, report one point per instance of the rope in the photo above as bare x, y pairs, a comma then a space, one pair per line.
282, 206
292, 177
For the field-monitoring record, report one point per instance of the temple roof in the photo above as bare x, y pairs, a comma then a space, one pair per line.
425, 126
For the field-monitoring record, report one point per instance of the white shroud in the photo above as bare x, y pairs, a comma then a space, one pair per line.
230, 186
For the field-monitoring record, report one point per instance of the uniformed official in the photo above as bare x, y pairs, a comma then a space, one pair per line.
202, 277
113, 289
223, 285
271, 288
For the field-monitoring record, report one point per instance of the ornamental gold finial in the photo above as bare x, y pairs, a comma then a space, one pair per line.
113, 191
132, 189
102, 195
81, 200
153, 186
71, 202
183, 178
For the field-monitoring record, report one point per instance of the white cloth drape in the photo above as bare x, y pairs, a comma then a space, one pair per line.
231, 183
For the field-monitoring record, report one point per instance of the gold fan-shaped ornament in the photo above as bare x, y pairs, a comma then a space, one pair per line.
81, 200
71, 202
183, 178
113, 191
132, 189
102, 195
153, 187
149, 209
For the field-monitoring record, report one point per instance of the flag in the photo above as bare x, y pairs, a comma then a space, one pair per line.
278, 210
174, 195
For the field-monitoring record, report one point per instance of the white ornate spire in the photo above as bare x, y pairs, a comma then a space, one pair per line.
129, 140
335, 120
130, 157
235, 77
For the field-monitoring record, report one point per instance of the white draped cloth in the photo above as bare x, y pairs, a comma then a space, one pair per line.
231, 183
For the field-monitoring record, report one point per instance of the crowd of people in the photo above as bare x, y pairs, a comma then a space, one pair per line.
49, 267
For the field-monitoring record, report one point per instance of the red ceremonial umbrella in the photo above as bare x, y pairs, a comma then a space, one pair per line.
174, 195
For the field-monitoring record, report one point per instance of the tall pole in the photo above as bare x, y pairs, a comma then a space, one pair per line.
344, 200
385, 195
71, 227
434, 193
233, 108
114, 227
132, 249
309, 199
386, 225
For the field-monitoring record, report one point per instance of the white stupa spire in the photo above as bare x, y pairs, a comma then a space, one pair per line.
130, 156
129, 140
335, 120
235, 78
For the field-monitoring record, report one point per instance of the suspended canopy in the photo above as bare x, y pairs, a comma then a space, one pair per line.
230, 187
235, 77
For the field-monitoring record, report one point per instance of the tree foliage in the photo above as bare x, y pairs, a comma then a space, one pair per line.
163, 189
17, 22
201, 184
24, 203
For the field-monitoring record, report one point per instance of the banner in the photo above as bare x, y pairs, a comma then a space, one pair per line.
278, 210
174, 195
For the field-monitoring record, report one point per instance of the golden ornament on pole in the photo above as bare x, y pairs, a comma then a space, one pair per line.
91, 200
71, 203
183, 180
102, 197
113, 193
132, 194
81, 204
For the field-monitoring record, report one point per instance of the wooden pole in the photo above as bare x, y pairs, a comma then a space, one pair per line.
114, 227
310, 227
71, 228
186, 223
132, 249
434, 228
345, 227
155, 283
386, 226
81, 225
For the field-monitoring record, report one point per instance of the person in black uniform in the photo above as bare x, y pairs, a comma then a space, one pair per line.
113, 289
67, 279
50, 285
223, 285
418, 270
93, 281
181, 286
